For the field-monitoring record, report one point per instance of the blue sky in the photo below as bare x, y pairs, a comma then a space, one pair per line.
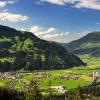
53, 20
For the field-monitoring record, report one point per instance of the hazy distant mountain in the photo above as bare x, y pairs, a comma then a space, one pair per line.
24, 50
89, 44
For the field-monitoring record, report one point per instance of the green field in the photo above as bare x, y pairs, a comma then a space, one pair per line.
93, 64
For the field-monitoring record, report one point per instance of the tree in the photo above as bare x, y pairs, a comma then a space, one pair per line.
50, 91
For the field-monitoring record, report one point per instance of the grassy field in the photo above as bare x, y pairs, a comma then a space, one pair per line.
93, 64
3, 82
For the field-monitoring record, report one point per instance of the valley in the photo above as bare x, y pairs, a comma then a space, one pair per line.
69, 78
34, 67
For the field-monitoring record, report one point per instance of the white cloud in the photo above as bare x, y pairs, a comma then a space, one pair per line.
50, 34
11, 1
58, 2
91, 4
5, 16
53, 34
50, 30
3, 3
22, 29
41, 31
36, 29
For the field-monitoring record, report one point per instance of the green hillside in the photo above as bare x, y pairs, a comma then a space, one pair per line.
23, 50
89, 44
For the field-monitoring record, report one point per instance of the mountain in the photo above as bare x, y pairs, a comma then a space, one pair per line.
23, 50
89, 44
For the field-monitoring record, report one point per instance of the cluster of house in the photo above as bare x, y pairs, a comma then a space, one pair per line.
69, 77
41, 75
11, 75
94, 75
8, 76
30, 86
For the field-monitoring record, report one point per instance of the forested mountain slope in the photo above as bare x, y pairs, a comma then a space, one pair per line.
23, 50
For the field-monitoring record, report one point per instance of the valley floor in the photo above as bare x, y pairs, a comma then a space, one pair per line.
69, 78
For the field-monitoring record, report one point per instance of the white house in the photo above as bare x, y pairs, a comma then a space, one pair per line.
60, 89
95, 75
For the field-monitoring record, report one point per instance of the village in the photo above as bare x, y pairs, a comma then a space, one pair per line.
12, 75
17, 76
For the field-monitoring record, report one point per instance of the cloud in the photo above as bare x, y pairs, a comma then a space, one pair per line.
3, 3
57, 2
54, 34
50, 34
91, 4
41, 31
98, 23
36, 29
5, 16
51, 30
22, 29
11, 1
47, 36
6, 2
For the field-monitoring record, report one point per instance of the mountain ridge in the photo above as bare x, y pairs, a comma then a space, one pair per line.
23, 50
88, 44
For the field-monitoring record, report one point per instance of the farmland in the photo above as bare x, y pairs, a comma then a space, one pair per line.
69, 78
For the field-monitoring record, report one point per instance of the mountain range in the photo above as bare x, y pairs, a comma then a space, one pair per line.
89, 44
23, 50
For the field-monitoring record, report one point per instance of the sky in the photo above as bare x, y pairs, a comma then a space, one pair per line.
52, 20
